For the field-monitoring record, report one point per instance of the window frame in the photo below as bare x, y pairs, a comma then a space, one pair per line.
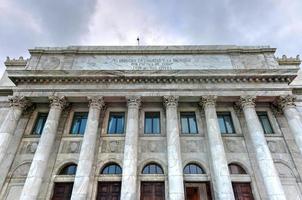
188, 113
197, 167
152, 122
223, 114
108, 123
36, 121
116, 167
265, 113
73, 121
157, 167
65, 167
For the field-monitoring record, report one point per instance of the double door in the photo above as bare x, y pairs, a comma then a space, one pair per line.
242, 191
152, 191
109, 191
62, 191
198, 191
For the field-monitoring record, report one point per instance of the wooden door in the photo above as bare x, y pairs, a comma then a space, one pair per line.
152, 191
198, 191
62, 191
243, 191
109, 191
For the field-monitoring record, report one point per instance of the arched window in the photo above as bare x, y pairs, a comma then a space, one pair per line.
236, 169
152, 168
112, 168
69, 169
192, 168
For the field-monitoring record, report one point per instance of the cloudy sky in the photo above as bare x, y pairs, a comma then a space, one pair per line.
28, 23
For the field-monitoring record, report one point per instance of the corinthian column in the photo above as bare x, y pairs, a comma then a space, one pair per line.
9, 125
39, 164
263, 155
175, 171
287, 105
129, 179
222, 184
82, 182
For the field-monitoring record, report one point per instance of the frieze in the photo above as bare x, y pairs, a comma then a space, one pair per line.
234, 145
193, 146
153, 146
29, 147
112, 146
276, 146
71, 147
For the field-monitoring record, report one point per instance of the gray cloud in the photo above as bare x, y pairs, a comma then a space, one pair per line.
28, 23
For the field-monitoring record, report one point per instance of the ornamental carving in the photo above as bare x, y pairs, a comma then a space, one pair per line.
247, 101
206, 101
96, 102
134, 101
56, 101
19, 102
192, 146
234, 145
276, 146
285, 101
149, 146
113, 146
71, 147
170, 100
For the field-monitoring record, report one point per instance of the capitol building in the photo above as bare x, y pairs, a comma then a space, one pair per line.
151, 123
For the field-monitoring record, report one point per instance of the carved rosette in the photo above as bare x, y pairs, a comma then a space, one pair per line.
96, 102
283, 102
207, 101
20, 102
170, 101
59, 102
134, 101
247, 101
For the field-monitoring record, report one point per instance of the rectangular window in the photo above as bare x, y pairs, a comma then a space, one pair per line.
40, 122
188, 123
116, 123
225, 122
265, 123
152, 123
79, 123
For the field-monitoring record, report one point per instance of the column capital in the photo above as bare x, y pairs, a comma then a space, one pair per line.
134, 101
285, 101
209, 100
170, 101
56, 101
19, 102
247, 101
96, 102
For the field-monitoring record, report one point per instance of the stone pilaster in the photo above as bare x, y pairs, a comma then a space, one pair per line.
82, 184
129, 178
262, 153
39, 164
287, 105
175, 169
17, 105
222, 185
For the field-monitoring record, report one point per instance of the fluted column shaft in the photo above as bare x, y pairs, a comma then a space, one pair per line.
287, 104
263, 155
175, 171
38, 166
82, 182
222, 185
9, 125
129, 178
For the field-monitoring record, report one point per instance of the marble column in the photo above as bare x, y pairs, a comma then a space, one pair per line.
222, 185
262, 153
287, 105
39, 163
82, 182
129, 178
175, 169
17, 105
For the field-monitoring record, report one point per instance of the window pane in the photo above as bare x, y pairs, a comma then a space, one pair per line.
184, 125
156, 125
193, 125
40, 123
152, 169
229, 124
148, 125
83, 126
120, 125
193, 169
112, 124
221, 124
264, 120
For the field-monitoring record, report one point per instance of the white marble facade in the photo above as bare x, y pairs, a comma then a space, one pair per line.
170, 80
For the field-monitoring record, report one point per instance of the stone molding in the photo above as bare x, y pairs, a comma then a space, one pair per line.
247, 101
206, 101
19, 102
96, 102
16, 62
60, 102
134, 101
284, 60
154, 80
170, 101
